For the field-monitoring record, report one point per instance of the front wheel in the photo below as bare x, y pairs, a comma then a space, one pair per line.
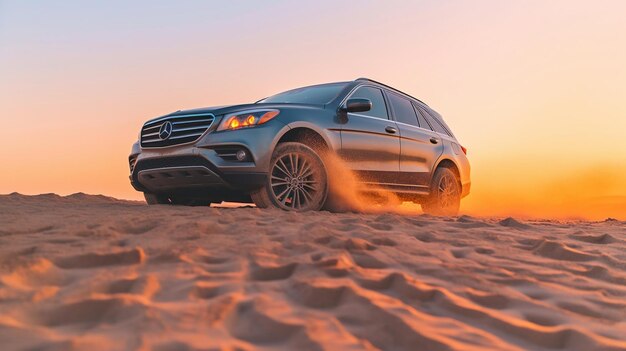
445, 194
297, 180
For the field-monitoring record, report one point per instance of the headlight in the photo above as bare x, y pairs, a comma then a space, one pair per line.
246, 119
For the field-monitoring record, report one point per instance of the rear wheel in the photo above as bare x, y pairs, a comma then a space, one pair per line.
445, 194
297, 180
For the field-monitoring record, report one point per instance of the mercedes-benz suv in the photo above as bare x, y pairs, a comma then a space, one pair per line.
274, 152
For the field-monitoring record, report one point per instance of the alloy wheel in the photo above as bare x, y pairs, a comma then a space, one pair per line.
295, 182
448, 191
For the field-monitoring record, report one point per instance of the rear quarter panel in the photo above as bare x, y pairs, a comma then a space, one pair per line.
452, 151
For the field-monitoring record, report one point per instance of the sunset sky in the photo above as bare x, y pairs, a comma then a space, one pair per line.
536, 90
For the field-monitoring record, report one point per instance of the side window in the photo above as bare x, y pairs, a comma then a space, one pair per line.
421, 118
402, 109
434, 122
379, 109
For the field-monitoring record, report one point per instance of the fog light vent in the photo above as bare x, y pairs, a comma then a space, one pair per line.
131, 162
233, 153
241, 155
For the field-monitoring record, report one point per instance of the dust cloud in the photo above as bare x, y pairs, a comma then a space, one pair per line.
349, 193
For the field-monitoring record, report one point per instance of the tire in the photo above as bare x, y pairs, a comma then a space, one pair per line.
297, 180
156, 199
159, 199
445, 194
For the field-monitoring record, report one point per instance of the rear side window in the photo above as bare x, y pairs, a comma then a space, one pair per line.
379, 108
421, 119
402, 109
434, 122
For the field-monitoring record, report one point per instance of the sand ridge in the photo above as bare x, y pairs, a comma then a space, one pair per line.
89, 272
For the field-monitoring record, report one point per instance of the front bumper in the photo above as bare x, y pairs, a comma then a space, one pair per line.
204, 166
184, 173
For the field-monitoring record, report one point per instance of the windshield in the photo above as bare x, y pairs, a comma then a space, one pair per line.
316, 94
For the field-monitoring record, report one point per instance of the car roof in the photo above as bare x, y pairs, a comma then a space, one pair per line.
362, 79
432, 112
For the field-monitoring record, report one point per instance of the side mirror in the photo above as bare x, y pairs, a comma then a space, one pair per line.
358, 105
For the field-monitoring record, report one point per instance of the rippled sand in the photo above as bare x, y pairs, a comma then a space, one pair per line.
95, 273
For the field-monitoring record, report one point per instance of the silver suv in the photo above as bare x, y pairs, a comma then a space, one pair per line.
274, 152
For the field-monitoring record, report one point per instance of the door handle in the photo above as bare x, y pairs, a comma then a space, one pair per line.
391, 130
434, 140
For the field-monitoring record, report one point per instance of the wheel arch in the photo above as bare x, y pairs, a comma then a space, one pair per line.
448, 163
451, 165
306, 135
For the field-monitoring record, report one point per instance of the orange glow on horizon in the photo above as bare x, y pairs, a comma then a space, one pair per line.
591, 192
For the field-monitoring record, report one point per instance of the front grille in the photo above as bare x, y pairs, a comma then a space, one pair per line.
185, 129
175, 161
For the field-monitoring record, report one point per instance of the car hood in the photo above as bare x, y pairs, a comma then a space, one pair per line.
222, 110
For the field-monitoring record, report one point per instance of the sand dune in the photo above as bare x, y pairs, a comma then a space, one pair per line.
94, 273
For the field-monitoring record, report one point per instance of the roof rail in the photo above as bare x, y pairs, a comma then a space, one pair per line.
392, 88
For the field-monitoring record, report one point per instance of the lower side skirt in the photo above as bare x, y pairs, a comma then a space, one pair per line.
402, 191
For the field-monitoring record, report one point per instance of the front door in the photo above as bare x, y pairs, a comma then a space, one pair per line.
370, 143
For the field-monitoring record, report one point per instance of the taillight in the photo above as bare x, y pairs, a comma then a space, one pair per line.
464, 149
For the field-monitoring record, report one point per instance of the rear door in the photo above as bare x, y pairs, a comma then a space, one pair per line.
420, 146
370, 144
